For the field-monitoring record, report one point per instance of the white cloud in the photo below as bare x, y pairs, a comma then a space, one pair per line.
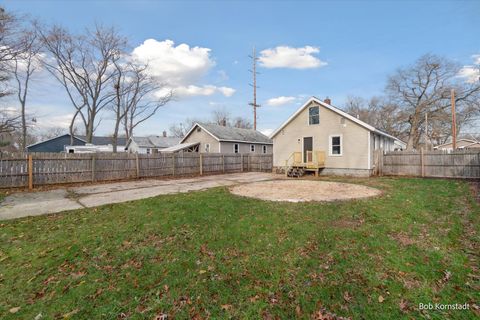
471, 73
208, 90
280, 101
288, 57
476, 58
180, 67
266, 132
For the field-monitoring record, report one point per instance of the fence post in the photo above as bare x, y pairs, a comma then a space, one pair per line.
422, 162
260, 158
223, 163
93, 167
241, 161
201, 164
137, 165
30, 172
248, 162
173, 163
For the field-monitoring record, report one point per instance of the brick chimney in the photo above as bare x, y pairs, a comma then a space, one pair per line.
327, 100
164, 133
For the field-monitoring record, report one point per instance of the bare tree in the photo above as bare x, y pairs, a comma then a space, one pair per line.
425, 88
8, 48
380, 113
179, 130
141, 97
25, 64
239, 122
85, 66
10, 120
219, 117
51, 132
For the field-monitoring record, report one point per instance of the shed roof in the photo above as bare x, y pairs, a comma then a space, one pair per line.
180, 147
155, 141
222, 133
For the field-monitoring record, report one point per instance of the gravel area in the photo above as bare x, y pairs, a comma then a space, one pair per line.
303, 190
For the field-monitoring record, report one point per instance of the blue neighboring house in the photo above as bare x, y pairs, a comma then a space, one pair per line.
58, 144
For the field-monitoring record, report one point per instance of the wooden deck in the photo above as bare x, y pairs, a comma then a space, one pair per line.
295, 164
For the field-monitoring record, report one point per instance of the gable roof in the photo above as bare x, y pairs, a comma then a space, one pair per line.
469, 142
231, 134
76, 139
96, 140
334, 109
154, 141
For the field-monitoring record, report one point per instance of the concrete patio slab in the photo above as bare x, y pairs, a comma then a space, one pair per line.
25, 204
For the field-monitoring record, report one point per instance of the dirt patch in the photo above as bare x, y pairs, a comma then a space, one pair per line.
404, 239
303, 190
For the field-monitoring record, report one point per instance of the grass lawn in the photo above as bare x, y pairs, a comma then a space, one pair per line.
213, 255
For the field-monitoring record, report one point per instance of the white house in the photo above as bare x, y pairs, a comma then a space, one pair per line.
347, 142
150, 144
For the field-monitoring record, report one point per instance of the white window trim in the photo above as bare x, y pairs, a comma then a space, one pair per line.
238, 147
308, 115
264, 149
330, 145
252, 145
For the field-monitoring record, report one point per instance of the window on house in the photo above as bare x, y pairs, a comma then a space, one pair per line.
313, 115
148, 150
264, 149
236, 148
336, 145
207, 147
252, 148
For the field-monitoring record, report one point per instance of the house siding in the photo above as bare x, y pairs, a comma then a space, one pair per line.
354, 140
203, 137
227, 147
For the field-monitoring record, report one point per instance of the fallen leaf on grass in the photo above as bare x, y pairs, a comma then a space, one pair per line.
226, 307
202, 271
403, 305
298, 311
347, 297
70, 314
161, 316
14, 310
381, 299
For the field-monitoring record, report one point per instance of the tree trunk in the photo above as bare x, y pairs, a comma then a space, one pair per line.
24, 128
115, 135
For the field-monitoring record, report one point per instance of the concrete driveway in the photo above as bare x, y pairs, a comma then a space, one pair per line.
25, 204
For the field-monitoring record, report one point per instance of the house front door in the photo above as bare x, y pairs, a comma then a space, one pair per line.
307, 146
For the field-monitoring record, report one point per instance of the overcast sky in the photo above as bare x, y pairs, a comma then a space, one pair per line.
333, 49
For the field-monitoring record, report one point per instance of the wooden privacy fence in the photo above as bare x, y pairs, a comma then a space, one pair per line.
441, 164
34, 169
